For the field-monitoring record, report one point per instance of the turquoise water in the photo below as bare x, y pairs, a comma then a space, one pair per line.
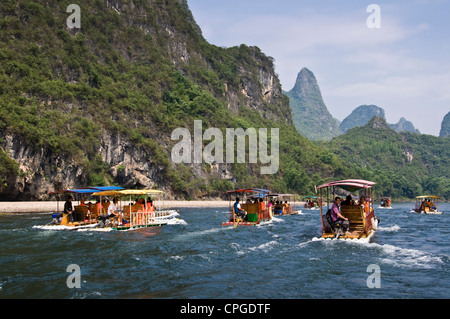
201, 259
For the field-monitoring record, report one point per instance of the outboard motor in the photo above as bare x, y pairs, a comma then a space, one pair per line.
335, 226
103, 221
56, 219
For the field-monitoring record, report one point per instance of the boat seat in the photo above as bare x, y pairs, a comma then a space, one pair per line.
126, 212
355, 216
94, 211
81, 212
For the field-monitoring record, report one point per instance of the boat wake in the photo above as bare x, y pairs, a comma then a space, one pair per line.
409, 258
61, 227
389, 229
168, 217
393, 255
189, 235
427, 213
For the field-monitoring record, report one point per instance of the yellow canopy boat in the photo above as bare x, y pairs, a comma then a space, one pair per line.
427, 204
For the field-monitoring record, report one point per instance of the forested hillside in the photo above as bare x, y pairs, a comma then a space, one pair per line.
404, 165
97, 106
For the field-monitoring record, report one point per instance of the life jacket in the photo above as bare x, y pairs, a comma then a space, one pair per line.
366, 207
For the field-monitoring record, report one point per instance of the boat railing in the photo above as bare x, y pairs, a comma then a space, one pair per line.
142, 218
137, 215
369, 221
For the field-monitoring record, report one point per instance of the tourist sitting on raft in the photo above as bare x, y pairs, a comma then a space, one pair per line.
286, 207
111, 213
238, 211
348, 201
364, 204
278, 208
427, 203
150, 206
337, 217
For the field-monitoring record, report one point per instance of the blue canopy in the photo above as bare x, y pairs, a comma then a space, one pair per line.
105, 188
89, 190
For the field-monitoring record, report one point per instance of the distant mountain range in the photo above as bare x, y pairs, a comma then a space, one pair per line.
362, 115
313, 120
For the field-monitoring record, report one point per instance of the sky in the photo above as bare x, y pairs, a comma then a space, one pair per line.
396, 56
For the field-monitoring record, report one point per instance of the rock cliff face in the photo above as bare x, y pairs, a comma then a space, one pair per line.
310, 115
147, 40
40, 171
445, 127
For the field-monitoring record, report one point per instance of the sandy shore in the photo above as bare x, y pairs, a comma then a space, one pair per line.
45, 207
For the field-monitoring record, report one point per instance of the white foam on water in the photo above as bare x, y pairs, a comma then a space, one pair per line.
393, 255
176, 221
410, 258
202, 232
355, 240
265, 247
177, 257
104, 229
277, 220
389, 229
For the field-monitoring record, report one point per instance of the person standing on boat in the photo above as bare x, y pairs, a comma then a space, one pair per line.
68, 209
337, 217
238, 210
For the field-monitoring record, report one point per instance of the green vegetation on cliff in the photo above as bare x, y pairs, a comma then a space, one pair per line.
76, 101
139, 69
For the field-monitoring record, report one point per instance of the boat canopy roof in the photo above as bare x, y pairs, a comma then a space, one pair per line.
250, 190
87, 190
427, 196
125, 192
350, 185
280, 195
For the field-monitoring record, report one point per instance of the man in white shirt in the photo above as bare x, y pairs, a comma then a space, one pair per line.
112, 211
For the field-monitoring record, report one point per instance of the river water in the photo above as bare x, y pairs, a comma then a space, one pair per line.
199, 258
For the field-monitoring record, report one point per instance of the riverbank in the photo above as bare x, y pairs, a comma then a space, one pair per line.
51, 206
